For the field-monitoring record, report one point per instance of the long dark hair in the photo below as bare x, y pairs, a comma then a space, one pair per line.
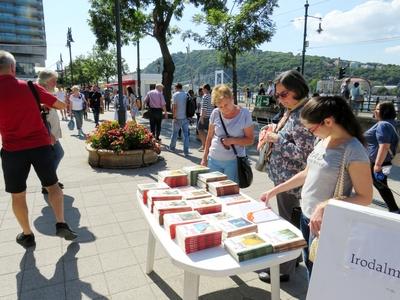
295, 82
317, 109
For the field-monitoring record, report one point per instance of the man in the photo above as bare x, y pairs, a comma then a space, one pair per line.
156, 103
271, 88
345, 89
205, 112
180, 120
96, 103
26, 142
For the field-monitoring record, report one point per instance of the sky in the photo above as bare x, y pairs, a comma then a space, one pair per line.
354, 30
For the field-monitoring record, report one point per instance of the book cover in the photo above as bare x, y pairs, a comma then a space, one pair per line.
162, 195
143, 188
173, 178
236, 226
212, 176
193, 172
284, 239
197, 236
165, 207
206, 205
247, 246
196, 194
222, 188
233, 199
171, 221
213, 218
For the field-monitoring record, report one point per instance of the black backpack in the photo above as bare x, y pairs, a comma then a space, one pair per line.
190, 106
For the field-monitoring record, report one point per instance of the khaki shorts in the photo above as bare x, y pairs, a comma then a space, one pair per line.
204, 125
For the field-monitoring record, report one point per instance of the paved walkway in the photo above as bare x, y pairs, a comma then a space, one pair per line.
107, 261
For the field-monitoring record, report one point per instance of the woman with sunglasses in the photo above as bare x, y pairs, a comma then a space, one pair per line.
290, 146
341, 141
382, 139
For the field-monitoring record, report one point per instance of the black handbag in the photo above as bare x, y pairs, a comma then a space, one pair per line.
42, 110
245, 174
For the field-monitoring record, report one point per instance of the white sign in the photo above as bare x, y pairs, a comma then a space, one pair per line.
358, 255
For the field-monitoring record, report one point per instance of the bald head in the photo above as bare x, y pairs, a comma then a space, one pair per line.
7, 63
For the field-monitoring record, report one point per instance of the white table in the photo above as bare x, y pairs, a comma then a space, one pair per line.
214, 262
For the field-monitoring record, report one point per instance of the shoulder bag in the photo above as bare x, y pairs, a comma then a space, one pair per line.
338, 194
245, 174
396, 155
42, 111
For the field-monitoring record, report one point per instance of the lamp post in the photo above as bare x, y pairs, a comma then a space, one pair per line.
121, 108
305, 42
139, 81
69, 41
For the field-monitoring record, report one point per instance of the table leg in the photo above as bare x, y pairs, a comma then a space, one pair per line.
191, 286
151, 247
275, 282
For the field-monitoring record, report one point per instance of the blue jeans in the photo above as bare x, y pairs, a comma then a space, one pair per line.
176, 125
58, 153
228, 167
78, 114
305, 229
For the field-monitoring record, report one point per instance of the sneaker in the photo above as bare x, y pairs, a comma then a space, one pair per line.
26, 240
265, 277
170, 149
63, 230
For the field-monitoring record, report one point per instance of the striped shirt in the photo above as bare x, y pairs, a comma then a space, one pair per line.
206, 106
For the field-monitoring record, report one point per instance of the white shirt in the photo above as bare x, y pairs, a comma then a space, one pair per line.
77, 102
60, 96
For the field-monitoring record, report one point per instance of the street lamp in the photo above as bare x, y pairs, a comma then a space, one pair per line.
121, 108
305, 42
69, 41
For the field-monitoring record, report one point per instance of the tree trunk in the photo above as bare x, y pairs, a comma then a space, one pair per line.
234, 78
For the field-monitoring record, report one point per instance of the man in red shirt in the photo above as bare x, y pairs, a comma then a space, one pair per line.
26, 141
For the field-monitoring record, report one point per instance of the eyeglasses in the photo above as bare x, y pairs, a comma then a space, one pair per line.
282, 94
314, 128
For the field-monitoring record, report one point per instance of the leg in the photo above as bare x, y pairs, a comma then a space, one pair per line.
386, 193
59, 153
56, 199
215, 165
305, 229
152, 122
185, 129
175, 128
158, 123
190, 286
20, 210
275, 283
151, 247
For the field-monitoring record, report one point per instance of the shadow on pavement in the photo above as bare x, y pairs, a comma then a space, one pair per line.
162, 285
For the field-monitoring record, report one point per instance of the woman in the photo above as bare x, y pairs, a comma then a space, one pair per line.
125, 102
356, 98
341, 140
48, 80
382, 139
133, 105
78, 105
218, 152
290, 146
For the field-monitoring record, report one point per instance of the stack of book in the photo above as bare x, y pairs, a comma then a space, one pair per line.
233, 199
216, 217
173, 178
204, 178
247, 246
235, 226
196, 194
284, 239
162, 195
145, 187
206, 205
193, 171
198, 236
222, 188
171, 221
167, 207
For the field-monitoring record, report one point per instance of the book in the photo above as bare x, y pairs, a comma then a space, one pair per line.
198, 236
222, 188
162, 195
256, 212
233, 199
196, 194
194, 171
206, 205
171, 221
173, 178
204, 178
235, 226
247, 246
143, 188
283, 239
166, 207
216, 217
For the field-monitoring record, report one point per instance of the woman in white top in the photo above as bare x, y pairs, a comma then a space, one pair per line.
133, 106
116, 104
78, 105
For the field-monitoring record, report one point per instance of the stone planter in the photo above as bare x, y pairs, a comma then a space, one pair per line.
125, 160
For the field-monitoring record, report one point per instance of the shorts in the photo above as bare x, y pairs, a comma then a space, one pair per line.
17, 164
203, 126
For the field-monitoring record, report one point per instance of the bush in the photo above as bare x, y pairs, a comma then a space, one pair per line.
133, 136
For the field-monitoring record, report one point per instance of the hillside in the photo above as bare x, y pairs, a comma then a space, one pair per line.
260, 66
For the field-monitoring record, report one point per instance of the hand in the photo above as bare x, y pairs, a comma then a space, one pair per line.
271, 137
204, 162
265, 197
316, 219
165, 115
377, 169
52, 139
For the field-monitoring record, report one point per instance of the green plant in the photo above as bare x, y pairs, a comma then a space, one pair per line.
132, 136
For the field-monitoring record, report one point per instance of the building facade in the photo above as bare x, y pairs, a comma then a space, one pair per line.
22, 32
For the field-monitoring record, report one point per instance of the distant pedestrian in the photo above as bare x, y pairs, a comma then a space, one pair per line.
206, 109
198, 107
26, 143
133, 103
125, 103
77, 108
96, 104
61, 95
107, 99
261, 90
271, 88
180, 120
356, 97
156, 103
345, 89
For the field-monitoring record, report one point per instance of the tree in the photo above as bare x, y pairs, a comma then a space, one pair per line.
106, 63
234, 31
140, 18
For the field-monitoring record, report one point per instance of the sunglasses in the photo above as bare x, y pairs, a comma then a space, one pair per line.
314, 128
282, 94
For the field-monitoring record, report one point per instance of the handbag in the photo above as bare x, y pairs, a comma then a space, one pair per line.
42, 111
245, 174
338, 194
71, 124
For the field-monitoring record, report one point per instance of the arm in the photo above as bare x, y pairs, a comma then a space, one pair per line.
210, 134
59, 105
248, 138
294, 182
173, 111
380, 157
360, 175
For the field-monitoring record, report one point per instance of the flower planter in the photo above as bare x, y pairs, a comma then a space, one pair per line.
125, 160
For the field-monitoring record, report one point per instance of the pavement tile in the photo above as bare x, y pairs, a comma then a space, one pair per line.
133, 225
137, 238
98, 210
107, 230
12, 263
44, 257
10, 284
143, 292
141, 252
91, 287
130, 215
38, 277
168, 288
82, 267
10, 223
8, 235
111, 243
164, 268
56, 291
80, 250
123, 206
117, 259
10, 248
102, 219
125, 279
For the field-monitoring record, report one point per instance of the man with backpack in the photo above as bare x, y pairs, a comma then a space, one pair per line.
180, 119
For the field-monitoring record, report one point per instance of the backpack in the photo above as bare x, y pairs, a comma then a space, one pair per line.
190, 106
395, 156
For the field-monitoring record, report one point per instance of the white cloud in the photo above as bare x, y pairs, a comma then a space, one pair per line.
393, 50
371, 20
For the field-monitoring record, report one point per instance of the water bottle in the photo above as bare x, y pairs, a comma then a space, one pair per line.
379, 176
